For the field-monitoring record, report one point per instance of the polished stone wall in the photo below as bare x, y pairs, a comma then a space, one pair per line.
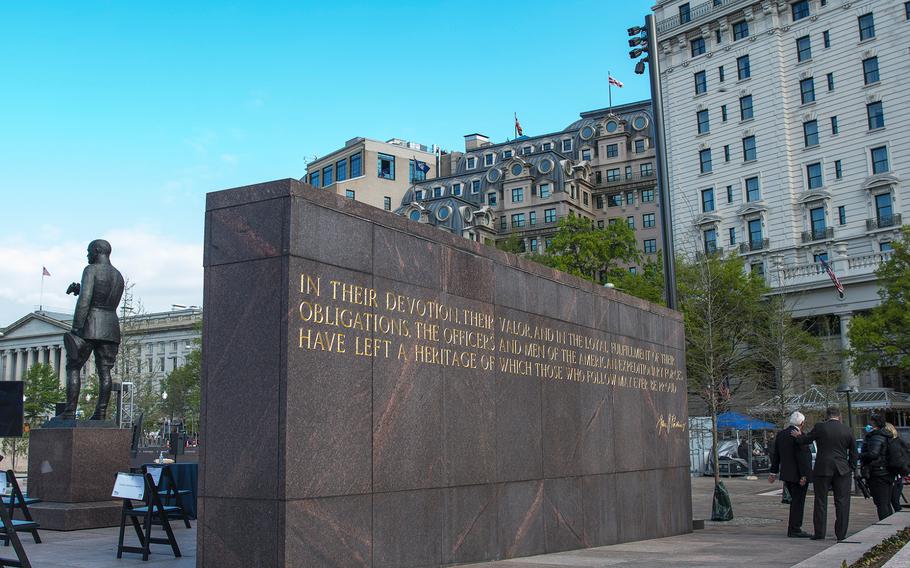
377, 392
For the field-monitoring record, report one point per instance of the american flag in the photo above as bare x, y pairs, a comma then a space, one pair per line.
614, 81
44, 271
833, 277
518, 130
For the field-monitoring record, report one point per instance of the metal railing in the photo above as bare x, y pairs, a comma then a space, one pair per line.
818, 234
883, 221
623, 179
750, 246
694, 14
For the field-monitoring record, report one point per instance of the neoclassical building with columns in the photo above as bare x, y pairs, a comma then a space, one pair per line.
154, 344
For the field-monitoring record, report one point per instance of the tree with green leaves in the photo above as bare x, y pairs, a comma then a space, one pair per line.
881, 338
647, 283
183, 386
583, 250
512, 243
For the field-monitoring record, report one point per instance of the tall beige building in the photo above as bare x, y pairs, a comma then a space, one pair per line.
373, 172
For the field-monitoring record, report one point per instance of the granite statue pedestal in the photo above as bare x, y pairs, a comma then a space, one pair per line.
377, 392
72, 470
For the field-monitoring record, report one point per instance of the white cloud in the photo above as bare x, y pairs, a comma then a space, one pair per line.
163, 270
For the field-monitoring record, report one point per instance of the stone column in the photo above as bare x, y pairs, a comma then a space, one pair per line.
4, 364
848, 376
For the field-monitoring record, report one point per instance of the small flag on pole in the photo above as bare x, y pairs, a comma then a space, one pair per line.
44, 271
614, 81
422, 166
833, 277
518, 130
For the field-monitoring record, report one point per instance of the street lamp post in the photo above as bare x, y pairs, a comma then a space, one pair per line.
848, 389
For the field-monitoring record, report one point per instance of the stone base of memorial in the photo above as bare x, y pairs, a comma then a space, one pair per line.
378, 392
72, 468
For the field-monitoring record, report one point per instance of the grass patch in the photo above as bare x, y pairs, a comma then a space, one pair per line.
879, 554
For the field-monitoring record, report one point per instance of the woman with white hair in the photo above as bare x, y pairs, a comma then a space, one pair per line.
794, 463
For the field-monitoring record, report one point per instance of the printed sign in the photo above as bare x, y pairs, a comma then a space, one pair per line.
155, 472
129, 486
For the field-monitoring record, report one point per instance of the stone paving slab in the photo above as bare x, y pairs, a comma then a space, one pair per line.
856, 545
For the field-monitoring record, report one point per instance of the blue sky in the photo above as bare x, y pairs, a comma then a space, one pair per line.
129, 113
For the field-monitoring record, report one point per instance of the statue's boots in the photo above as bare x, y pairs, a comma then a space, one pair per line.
73, 384
104, 395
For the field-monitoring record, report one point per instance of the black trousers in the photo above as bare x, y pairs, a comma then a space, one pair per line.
841, 485
896, 494
881, 486
797, 505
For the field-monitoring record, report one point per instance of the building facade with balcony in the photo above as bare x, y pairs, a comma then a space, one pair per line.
600, 167
787, 134
373, 172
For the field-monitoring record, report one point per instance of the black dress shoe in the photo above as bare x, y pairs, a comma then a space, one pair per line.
799, 534
816, 537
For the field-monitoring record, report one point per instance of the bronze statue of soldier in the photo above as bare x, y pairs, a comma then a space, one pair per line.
96, 328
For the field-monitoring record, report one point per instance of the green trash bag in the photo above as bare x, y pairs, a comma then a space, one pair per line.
723, 508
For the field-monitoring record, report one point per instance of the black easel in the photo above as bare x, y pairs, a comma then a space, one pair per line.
152, 510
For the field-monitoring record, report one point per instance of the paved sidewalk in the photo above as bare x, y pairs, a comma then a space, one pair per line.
756, 538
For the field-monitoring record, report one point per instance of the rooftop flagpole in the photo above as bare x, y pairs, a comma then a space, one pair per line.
609, 93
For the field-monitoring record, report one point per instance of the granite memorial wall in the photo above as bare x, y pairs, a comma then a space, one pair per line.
377, 392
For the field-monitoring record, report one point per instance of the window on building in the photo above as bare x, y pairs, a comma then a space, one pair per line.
800, 10
506, 154
685, 16
544, 190
743, 70
650, 246
549, 215
870, 70
753, 189
628, 172
838, 169
532, 218
875, 115
879, 159
884, 210
740, 30
349, 193
488, 159
907, 10
614, 200
807, 90
518, 195
698, 46
456, 189
720, 74
817, 222
327, 176
546, 147
418, 194
646, 169
630, 198
726, 152
647, 195
718, 38
707, 200
729, 194
710, 240
749, 150
885, 247
437, 191
475, 186
586, 154
830, 78
314, 179
704, 160
731, 234
386, 166
598, 177
647, 220
810, 133
723, 113
533, 242
387, 203
866, 26
842, 215
745, 107
471, 162
613, 174
612, 150
703, 120
341, 170
567, 145
701, 83
803, 48
834, 129
584, 197
814, 175
755, 234
526, 150
640, 146
758, 269
826, 39
491, 199
518, 220
356, 165
630, 221
599, 201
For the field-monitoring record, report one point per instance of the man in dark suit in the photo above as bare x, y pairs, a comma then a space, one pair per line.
96, 328
794, 462
834, 468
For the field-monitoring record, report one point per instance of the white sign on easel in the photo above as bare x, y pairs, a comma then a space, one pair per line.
5, 488
155, 472
129, 486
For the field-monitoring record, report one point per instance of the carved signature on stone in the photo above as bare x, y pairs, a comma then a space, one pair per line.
671, 422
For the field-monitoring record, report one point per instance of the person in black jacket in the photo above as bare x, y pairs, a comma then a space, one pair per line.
834, 465
875, 466
794, 462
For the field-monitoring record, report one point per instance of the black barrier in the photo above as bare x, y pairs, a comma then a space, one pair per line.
11, 411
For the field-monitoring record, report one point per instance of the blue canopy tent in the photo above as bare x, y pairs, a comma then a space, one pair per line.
736, 421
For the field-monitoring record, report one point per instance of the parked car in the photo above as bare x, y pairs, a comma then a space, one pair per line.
730, 465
